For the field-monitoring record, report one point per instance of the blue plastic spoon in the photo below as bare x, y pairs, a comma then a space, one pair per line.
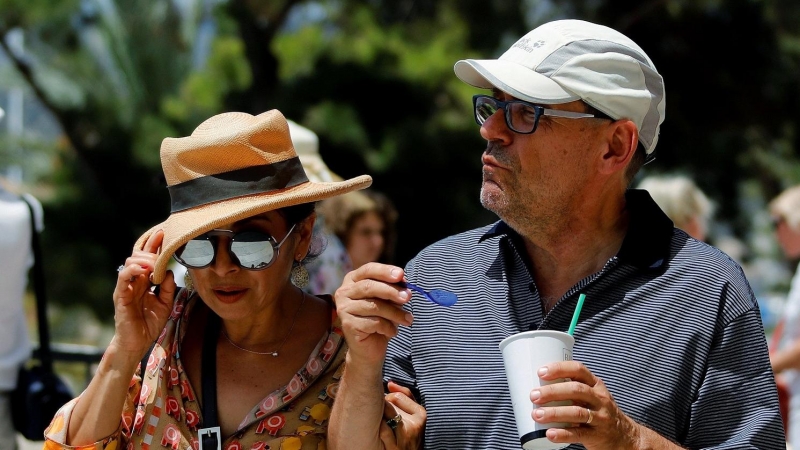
438, 296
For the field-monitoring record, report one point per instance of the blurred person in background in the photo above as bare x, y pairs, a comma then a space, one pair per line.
15, 247
365, 222
327, 271
785, 355
682, 201
17, 258
242, 357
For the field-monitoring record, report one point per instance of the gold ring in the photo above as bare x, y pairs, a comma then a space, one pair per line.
394, 421
591, 416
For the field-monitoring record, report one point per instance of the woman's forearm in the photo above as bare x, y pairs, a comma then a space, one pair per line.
98, 412
788, 358
358, 409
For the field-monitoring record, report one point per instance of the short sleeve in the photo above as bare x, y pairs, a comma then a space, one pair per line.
56, 434
737, 404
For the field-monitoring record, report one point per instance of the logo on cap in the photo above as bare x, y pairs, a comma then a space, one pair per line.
526, 44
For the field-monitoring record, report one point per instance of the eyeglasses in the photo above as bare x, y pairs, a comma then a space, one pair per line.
521, 117
251, 250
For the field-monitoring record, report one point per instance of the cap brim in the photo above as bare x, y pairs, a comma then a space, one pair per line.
512, 78
182, 226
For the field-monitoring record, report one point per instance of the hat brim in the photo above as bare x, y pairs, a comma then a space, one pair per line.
183, 226
514, 79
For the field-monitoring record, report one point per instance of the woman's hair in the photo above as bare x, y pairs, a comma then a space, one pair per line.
786, 206
298, 213
679, 198
341, 213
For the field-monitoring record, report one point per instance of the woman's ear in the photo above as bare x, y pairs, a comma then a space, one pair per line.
623, 139
305, 229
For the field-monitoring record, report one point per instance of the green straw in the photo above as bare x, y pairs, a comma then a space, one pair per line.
575, 315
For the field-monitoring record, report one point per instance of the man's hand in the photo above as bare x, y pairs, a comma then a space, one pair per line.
408, 431
598, 423
370, 305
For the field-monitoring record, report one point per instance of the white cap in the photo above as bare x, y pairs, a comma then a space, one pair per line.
2, 113
306, 144
568, 60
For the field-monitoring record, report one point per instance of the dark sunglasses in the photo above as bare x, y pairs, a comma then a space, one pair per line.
251, 250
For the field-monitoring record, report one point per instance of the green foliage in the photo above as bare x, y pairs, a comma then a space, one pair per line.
374, 80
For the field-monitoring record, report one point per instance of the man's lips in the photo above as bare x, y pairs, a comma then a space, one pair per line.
490, 162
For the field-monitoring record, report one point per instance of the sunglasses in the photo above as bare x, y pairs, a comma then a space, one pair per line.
251, 250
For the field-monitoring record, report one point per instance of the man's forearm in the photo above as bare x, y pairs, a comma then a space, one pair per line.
650, 440
358, 409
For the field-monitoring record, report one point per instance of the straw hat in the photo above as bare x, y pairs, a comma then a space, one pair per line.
233, 166
306, 143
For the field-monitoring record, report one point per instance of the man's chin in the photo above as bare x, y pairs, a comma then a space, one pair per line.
492, 199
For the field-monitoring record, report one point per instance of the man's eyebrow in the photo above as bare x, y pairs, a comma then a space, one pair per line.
496, 92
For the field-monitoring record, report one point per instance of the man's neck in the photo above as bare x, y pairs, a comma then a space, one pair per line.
565, 253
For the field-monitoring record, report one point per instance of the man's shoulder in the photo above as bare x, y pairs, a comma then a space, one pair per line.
467, 240
702, 258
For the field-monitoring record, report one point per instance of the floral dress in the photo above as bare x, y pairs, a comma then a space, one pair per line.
161, 410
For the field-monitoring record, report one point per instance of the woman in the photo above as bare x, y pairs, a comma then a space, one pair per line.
242, 357
785, 355
682, 201
364, 222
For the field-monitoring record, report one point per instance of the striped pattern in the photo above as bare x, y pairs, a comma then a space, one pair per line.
673, 330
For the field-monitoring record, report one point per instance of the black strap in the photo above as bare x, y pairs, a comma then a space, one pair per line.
45, 355
208, 372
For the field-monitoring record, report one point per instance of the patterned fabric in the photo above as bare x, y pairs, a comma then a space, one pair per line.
669, 324
162, 411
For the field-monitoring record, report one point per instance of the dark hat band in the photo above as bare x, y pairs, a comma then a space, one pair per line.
237, 183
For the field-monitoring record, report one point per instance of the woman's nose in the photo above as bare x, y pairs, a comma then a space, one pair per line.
224, 261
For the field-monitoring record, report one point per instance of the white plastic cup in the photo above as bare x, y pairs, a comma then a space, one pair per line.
523, 355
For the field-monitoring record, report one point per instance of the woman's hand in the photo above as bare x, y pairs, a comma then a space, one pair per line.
139, 313
408, 431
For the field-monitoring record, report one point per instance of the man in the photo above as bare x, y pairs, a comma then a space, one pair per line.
669, 350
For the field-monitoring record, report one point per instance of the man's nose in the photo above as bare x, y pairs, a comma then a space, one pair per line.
495, 128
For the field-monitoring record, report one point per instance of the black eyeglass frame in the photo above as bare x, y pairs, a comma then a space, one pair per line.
538, 112
276, 247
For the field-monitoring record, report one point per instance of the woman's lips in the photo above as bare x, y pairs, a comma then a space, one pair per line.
229, 295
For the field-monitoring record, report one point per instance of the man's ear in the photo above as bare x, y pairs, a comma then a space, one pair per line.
622, 137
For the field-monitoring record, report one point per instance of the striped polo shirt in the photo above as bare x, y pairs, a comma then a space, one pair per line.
670, 325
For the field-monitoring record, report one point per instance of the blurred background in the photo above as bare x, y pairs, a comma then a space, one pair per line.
91, 87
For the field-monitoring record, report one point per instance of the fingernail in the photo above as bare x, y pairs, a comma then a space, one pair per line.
538, 413
144, 266
395, 272
542, 372
409, 318
404, 295
535, 394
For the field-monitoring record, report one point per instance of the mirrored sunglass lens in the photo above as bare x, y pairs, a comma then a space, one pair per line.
253, 250
197, 253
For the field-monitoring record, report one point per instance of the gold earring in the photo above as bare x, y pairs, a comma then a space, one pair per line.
299, 276
188, 283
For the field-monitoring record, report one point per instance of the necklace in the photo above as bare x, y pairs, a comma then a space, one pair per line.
273, 353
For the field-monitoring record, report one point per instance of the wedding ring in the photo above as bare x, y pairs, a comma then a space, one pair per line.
131, 279
394, 421
591, 416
